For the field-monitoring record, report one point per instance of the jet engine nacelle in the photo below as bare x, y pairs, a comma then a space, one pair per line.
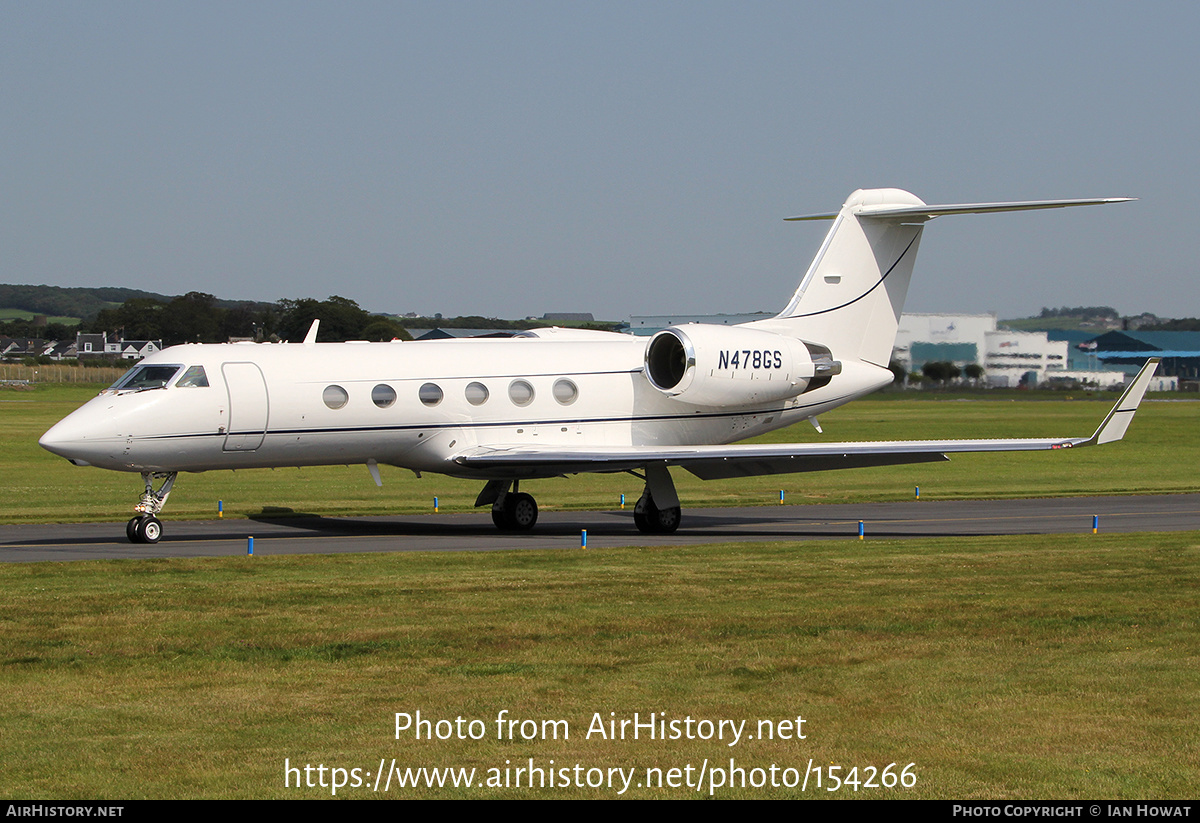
729, 366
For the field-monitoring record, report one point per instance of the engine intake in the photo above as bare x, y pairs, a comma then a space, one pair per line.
724, 365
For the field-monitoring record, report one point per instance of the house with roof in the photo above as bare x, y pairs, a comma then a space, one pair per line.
13, 348
99, 345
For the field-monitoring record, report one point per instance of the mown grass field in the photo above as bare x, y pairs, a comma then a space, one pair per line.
1022, 667
21, 314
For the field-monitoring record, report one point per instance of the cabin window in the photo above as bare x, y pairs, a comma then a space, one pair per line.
565, 392
477, 394
193, 378
383, 396
335, 397
430, 394
520, 392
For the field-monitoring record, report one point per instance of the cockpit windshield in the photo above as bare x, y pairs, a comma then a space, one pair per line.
140, 378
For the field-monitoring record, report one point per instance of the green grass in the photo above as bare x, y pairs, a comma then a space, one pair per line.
1158, 455
22, 314
1022, 667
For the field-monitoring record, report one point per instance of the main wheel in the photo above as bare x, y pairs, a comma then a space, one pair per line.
650, 519
668, 520
645, 514
149, 529
519, 512
498, 517
522, 511
639, 513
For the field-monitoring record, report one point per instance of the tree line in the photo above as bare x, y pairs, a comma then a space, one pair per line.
197, 317
1082, 312
201, 318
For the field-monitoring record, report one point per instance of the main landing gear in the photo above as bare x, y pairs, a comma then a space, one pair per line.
656, 512
649, 518
514, 511
145, 527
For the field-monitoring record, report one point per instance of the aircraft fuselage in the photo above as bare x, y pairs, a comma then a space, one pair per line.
413, 405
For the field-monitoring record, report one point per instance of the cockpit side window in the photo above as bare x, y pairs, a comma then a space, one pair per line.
193, 378
140, 378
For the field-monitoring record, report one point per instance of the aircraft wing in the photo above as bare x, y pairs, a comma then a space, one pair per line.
716, 462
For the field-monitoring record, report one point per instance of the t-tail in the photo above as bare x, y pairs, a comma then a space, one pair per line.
851, 297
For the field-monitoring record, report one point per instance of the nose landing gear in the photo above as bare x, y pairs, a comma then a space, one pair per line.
145, 527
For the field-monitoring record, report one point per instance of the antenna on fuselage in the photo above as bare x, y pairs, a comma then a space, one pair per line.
311, 337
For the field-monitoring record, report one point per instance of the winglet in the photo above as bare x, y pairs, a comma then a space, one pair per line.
1121, 415
311, 337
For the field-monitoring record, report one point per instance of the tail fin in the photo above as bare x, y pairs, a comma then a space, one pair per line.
851, 297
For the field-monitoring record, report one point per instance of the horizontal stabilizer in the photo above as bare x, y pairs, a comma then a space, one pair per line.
927, 212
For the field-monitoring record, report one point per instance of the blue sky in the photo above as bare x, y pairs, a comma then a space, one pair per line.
506, 159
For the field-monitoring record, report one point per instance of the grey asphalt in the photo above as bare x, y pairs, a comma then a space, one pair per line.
561, 530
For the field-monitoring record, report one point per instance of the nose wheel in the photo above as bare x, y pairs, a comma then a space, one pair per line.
145, 528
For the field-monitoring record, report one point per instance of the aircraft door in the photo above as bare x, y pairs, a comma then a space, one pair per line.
248, 406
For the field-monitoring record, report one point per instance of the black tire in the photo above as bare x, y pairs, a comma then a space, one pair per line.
150, 529
645, 514
650, 519
522, 511
499, 519
668, 520
131, 529
639, 520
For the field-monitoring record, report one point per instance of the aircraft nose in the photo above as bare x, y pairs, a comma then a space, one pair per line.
62, 441
77, 438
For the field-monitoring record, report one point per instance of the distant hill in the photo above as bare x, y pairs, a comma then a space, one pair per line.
1098, 319
1059, 324
84, 303
1179, 324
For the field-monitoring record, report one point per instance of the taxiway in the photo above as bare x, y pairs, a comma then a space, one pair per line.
561, 530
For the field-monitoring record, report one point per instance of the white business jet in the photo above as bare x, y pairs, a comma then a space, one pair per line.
552, 402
